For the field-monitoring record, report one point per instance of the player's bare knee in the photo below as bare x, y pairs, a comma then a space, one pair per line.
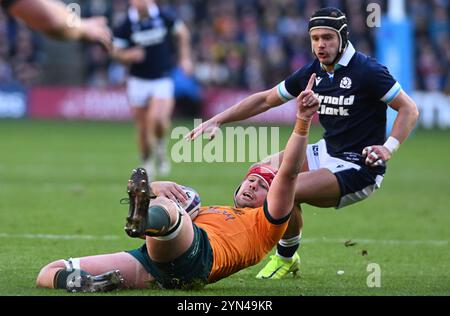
47, 273
165, 219
160, 125
169, 206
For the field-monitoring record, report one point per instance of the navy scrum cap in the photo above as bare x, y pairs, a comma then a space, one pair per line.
334, 19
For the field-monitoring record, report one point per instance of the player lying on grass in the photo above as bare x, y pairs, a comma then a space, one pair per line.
349, 163
179, 253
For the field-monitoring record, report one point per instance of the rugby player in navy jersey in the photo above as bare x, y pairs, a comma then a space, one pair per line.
144, 41
51, 18
348, 164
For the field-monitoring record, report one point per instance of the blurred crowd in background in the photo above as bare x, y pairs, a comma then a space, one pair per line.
252, 44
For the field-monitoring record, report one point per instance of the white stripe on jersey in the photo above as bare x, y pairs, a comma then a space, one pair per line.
392, 94
283, 93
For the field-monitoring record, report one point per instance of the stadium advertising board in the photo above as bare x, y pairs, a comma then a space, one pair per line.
13, 101
79, 103
112, 104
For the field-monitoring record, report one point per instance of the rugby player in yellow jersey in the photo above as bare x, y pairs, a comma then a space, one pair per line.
181, 253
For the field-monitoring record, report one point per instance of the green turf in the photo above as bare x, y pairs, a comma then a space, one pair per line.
66, 178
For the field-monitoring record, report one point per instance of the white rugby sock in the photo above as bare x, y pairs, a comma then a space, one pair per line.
286, 248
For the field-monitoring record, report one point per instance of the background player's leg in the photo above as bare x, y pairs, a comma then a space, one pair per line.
289, 243
160, 119
319, 188
131, 270
143, 135
160, 115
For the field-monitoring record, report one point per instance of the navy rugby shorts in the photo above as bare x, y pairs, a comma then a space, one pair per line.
357, 181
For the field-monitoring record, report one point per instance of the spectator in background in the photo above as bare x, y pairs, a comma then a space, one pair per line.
144, 42
6, 75
445, 48
18, 53
429, 68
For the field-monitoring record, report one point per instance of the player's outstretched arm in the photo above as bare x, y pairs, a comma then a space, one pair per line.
52, 18
280, 198
403, 125
250, 106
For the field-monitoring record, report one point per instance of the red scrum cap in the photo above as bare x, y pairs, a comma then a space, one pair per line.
264, 172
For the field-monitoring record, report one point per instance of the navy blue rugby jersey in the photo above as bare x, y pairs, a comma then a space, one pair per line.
353, 100
154, 34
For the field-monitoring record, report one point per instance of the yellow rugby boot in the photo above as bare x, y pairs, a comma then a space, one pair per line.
278, 267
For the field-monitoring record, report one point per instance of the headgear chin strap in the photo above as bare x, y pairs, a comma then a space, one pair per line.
333, 19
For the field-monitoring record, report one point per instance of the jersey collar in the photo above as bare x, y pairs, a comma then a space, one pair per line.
133, 14
346, 57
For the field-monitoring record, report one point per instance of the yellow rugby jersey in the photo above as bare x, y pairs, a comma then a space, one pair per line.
239, 237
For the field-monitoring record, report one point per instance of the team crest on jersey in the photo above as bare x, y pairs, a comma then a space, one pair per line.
346, 83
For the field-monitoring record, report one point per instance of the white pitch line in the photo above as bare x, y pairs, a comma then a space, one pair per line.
305, 240
65, 237
379, 241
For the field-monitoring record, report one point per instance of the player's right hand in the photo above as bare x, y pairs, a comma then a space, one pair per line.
211, 127
170, 190
307, 101
376, 155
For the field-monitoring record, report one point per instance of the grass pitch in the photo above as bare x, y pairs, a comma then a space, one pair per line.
61, 182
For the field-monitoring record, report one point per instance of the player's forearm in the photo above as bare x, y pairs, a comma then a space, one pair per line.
294, 153
406, 118
286, 178
404, 123
248, 107
48, 16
